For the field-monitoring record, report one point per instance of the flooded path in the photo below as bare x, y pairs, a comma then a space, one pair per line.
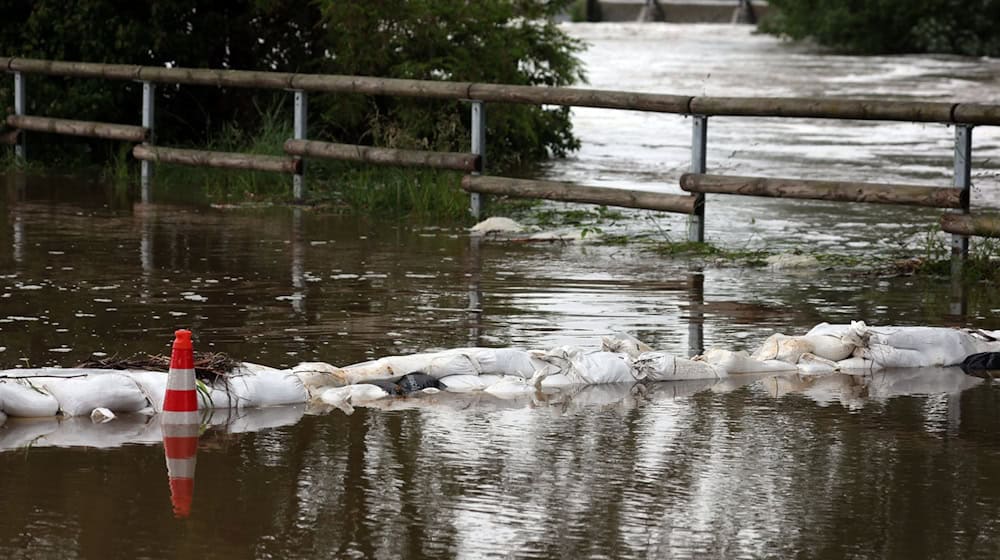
889, 466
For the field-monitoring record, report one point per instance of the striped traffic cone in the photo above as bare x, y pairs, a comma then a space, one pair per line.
180, 403
180, 424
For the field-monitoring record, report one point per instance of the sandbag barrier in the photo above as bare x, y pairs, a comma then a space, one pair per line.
855, 349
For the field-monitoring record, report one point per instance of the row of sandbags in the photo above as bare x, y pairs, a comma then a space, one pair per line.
46, 392
857, 347
501, 371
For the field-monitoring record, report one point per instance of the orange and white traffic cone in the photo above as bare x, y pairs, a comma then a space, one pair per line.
180, 403
180, 424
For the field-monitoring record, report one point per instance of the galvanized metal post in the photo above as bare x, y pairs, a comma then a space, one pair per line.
960, 243
149, 123
699, 147
478, 147
301, 124
20, 108
963, 181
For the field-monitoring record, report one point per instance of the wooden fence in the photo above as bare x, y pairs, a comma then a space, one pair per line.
964, 116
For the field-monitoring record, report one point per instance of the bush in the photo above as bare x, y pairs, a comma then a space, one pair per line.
890, 26
503, 41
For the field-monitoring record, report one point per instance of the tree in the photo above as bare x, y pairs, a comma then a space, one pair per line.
891, 26
502, 41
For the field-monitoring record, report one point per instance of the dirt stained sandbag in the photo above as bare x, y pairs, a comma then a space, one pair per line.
80, 396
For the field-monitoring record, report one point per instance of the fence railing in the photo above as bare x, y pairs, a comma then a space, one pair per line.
964, 116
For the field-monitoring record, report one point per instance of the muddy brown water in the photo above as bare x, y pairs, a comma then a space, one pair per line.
896, 465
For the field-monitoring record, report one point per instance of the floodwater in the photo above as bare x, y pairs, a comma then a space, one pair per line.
895, 465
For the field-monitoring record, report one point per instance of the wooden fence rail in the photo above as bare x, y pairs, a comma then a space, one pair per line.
227, 160
571, 192
840, 191
384, 156
964, 116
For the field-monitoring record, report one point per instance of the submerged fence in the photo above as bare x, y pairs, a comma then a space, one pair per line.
964, 116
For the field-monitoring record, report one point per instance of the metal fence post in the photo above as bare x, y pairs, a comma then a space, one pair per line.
963, 181
478, 147
20, 108
699, 146
149, 123
301, 123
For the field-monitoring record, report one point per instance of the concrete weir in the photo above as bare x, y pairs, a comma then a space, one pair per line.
679, 11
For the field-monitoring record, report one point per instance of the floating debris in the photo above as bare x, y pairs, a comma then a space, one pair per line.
208, 366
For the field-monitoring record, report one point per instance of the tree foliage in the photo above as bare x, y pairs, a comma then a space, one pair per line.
501, 41
965, 27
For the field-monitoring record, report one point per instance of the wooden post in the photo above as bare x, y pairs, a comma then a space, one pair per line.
478, 148
699, 147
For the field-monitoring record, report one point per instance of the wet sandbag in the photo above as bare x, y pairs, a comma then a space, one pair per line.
24, 398
81, 395
661, 366
505, 361
624, 343
469, 383
349, 396
811, 364
981, 364
741, 362
153, 385
591, 368
435, 364
267, 387
939, 346
790, 348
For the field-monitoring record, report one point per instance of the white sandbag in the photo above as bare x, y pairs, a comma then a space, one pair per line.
887, 356
624, 343
269, 387
741, 362
469, 383
858, 364
80, 396
660, 366
811, 364
391, 368
23, 398
353, 394
938, 346
511, 386
790, 348
316, 377
585, 368
153, 385
505, 361
558, 381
